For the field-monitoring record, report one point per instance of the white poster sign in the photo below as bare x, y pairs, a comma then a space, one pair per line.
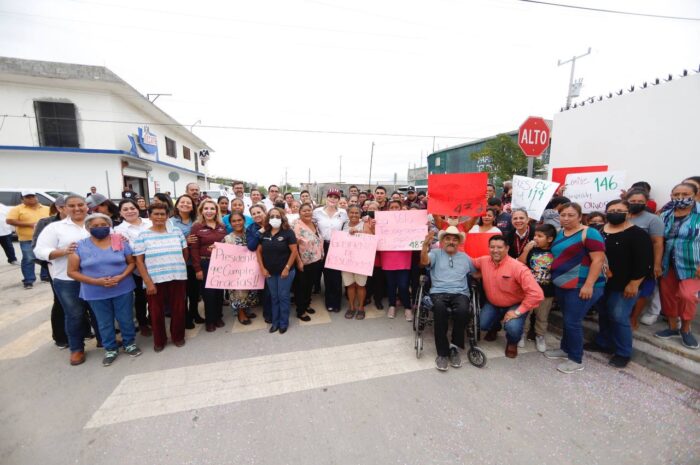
593, 190
532, 195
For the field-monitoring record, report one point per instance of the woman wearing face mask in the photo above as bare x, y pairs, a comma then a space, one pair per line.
680, 283
309, 260
353, 282
208, 229
103, 265
579, 254
183, 219
277, 254
329, 218
629, 253
523, 232
242, 301
596, 220
132, 226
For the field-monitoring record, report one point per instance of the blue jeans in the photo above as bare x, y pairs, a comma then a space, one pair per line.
74, 309
6, 243
280, 289
491, 315
28, 265
614, 321
574, 308
398, 279
121, 309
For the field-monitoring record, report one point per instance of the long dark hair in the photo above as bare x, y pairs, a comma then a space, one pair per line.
176, 212
283, 216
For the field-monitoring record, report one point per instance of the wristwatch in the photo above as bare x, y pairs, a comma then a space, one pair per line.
517, 313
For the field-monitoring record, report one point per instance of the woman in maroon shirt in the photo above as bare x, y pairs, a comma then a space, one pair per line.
208, 229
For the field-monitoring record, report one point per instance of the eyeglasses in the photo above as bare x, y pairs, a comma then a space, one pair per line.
452, 265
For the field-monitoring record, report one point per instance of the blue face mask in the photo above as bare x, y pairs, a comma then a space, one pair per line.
100, 232
682, 203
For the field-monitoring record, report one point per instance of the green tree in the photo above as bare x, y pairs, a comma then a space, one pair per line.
501, 158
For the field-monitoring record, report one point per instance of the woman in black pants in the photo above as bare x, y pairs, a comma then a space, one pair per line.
309, 260
329, 218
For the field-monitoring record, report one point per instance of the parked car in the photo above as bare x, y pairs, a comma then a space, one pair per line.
12, 196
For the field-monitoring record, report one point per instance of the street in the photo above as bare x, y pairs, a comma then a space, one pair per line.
331, 391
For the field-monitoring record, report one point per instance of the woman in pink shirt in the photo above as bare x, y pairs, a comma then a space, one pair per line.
397, 269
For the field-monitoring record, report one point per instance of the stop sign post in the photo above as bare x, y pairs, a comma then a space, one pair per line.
533, 139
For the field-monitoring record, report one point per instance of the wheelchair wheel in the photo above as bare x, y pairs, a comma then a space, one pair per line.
419, 312
418, 344
477, 357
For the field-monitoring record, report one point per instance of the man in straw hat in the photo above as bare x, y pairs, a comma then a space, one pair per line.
449, 291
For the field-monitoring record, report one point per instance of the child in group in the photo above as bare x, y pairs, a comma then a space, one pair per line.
538, 257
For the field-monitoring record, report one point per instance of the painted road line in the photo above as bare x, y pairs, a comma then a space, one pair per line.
200, 386
22, 311
27, 343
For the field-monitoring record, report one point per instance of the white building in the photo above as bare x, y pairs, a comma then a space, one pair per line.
651, 133
69, 127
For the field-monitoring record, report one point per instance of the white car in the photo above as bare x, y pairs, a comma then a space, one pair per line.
12, 196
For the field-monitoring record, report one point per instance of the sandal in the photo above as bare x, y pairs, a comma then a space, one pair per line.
360, 315
350, 314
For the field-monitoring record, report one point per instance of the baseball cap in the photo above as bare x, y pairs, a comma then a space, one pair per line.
333, 192
95, 199
411, 189
28, 192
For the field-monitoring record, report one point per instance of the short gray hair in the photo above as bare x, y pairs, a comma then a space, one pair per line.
97, 216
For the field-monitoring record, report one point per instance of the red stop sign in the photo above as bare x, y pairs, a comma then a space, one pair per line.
533, 136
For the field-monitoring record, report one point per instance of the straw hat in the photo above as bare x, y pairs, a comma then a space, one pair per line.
453, 231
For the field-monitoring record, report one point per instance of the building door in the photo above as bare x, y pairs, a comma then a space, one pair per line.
138, 185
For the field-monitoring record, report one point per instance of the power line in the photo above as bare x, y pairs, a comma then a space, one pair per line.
603, 10
248, 128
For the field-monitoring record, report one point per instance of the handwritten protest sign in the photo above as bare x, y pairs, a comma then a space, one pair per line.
234, 267
593, 190
532, 195
477, 244
462, 194
559, 174
353, 253
401, 230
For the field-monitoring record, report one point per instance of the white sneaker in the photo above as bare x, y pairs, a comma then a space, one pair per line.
540, 343
555, 353
569, 367
521, 342
391, 313
648, 319
408, 313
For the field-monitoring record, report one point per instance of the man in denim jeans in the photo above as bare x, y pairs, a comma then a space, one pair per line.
449, 292
24, 217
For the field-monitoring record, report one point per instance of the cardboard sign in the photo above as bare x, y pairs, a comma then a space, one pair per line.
462, 194
401, 230
559, 174
234, 267
532, 195
477, 244
353, 253
594, 190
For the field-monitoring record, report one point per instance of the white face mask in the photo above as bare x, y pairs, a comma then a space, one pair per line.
275, 222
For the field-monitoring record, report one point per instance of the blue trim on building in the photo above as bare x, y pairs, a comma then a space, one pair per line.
103, 151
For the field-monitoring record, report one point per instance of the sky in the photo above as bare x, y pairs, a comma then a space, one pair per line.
450, 71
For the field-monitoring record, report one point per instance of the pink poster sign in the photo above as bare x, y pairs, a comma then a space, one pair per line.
353, 253
401, 230
234, 267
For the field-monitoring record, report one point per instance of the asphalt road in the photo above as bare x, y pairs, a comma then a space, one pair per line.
330, 392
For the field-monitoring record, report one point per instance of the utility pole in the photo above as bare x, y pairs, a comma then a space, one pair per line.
340, 170
371, 158
309, 176
574, 88
285, 179
394, 182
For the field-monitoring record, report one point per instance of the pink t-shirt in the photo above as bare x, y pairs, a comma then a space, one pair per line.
396, 260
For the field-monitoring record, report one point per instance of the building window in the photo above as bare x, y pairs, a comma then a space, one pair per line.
56, 124
186, 153
170, 148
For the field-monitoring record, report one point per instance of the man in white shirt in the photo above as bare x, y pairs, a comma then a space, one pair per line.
6, 236
55, 243
239, 192
273, 192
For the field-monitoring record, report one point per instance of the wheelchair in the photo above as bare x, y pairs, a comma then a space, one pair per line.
423, 318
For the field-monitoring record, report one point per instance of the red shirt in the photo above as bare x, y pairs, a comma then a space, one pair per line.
206, 237
509, 283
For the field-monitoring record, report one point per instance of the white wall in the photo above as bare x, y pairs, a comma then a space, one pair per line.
650, 133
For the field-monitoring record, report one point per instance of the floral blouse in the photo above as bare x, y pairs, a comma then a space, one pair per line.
310, 244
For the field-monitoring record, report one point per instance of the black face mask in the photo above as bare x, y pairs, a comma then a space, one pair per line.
597, 226
637, 208
616, 218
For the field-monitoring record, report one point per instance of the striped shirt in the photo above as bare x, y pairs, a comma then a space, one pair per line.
163, 254
572, 259
682, 246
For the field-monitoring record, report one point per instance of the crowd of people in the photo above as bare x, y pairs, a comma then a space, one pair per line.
139, 263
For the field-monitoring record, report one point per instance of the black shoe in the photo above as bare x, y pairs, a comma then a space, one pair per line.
61, 345
268, 320
250, 314
594, 347
379, 306
310, 311
283, 330
198, 319
618, 362
45, 280
274, 328
28, 286
189, 325
304, 317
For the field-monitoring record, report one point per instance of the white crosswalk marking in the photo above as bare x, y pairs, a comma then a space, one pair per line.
27, 343
182, 389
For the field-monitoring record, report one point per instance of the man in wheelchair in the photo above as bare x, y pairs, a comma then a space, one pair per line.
449, 292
